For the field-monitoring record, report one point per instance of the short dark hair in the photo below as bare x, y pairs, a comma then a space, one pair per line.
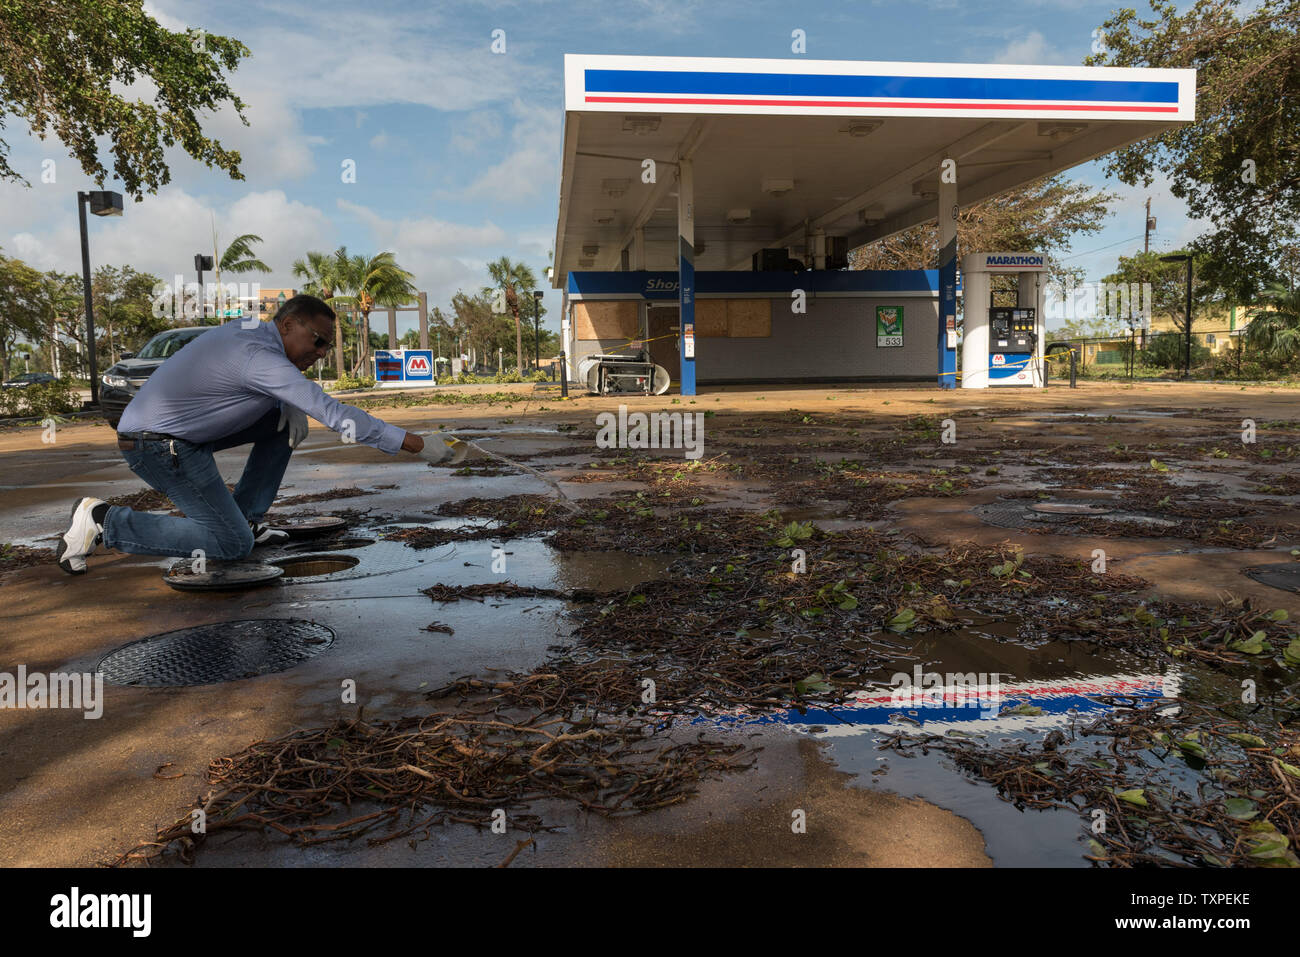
305, 306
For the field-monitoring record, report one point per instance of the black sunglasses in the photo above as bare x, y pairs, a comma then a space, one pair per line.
319, 339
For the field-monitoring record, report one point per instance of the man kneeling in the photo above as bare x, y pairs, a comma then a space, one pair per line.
231, 386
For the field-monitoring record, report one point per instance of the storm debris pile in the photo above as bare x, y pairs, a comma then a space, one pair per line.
398, 779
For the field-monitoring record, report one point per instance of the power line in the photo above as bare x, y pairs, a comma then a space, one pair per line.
1102, 249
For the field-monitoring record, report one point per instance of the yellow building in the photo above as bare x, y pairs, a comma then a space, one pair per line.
271, 300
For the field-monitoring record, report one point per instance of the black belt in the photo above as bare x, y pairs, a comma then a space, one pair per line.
149, 437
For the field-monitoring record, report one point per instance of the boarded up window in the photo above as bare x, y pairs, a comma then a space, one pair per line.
605, 320
710, 317
749, 318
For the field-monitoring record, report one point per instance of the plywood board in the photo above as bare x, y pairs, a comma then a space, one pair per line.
710, 317
749, 318
605, 320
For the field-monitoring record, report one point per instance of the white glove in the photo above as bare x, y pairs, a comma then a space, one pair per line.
443, 449
297, 422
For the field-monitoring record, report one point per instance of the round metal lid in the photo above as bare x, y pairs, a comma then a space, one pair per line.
219, 576
308, 526
1070, 508
207, 654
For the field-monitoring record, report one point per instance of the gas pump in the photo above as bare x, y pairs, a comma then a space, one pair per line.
1013, 343
1002, 345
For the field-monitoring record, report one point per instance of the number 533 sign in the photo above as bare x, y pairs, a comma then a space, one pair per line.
889, 326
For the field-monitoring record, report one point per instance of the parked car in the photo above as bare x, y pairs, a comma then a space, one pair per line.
123, 380
28, 378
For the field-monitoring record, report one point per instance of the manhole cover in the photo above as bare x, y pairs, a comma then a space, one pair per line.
219, 576
208, 654
316, 566
1023, 513
1285, 575
333, 545
309, 526
1070, 508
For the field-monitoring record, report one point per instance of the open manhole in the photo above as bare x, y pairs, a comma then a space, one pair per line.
316, 566
333, 545
191, 574
1284, 575
308, 526
208, 654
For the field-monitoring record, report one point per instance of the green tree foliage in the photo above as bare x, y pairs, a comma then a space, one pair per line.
1044, 216
516, 280
60, 61
21, 307
1274, 330
238, 257
1238, 165
364, 282
123, 300
1169, 284
1166, 350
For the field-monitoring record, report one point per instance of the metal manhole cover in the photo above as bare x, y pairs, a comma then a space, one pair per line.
220, 576
333, 545
1284, 575
209, 654
1027, 513
309, 526
1070, 508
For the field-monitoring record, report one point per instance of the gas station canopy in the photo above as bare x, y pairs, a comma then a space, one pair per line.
786, 149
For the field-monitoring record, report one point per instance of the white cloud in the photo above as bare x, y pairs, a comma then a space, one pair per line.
162, 234
529, 169
1031, 49
475, 129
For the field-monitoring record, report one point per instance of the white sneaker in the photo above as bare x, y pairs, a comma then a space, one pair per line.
81, 537
264, 534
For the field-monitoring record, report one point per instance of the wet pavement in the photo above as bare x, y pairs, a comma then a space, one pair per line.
75, 791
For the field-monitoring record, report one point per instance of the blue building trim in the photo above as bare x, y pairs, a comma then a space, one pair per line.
663, 285
888, 87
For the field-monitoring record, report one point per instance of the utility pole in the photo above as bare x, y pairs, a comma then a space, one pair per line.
1146, 237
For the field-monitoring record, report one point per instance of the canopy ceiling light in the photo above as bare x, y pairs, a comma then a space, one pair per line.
641, 125
778, 187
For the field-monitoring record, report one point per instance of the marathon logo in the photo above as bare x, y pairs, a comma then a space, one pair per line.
1035, 262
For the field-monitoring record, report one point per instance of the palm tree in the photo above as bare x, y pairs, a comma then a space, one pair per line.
511, 278
1275, 331
320, 270
239, 258
370, 281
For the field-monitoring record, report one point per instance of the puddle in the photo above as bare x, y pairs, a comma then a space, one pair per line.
996, 691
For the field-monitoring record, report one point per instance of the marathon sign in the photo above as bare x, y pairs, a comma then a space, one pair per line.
404, 367
1019, 262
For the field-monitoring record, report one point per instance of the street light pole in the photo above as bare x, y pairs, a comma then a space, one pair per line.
537, 334
102, 203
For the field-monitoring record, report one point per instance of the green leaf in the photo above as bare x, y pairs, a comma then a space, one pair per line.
1024, 708
1239, 809
1249, 740
1135, 796
815, 683
902, 621
1291, 653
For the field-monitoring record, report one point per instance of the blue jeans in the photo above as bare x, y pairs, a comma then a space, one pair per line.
215, 520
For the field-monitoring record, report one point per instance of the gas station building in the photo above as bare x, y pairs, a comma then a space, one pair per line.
708, 206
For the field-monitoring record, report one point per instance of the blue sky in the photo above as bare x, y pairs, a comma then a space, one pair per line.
457, 149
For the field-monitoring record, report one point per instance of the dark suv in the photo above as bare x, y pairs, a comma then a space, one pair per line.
123, 380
